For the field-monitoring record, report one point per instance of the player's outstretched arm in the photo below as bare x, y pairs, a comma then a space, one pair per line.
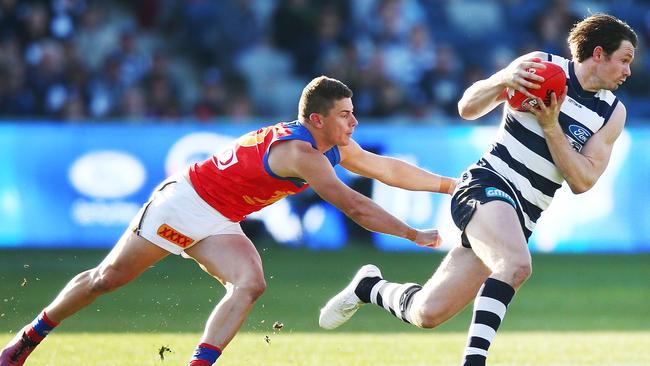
484, 95
392, 171
299, 159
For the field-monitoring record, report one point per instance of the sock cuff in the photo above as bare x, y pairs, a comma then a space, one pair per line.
199, 363
48, 321
210, 346
42, 325
207, 353
407, 297
498, 289
364, 288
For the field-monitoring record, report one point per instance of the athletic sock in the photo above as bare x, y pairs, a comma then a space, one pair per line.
489, 309
40, 327
205, 355
396, 298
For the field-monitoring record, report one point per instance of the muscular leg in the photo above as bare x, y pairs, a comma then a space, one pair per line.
453, 286
131, 256
456, 281
496, 238
235, 262
450, 289
128, 259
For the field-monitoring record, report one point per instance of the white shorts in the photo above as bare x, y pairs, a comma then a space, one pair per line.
176, 217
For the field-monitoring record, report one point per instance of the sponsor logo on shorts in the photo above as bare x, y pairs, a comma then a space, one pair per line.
495, 192
169, 233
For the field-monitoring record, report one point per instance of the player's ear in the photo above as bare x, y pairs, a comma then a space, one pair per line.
598, 53
316, 120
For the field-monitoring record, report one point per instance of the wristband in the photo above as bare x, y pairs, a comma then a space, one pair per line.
411, 234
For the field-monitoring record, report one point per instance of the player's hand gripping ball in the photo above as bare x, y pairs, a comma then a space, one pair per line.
554, 81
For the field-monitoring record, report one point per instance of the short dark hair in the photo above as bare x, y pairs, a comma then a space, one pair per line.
319, 96
602, 30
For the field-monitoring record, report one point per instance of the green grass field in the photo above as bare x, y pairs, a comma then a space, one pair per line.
575, 310
345, 349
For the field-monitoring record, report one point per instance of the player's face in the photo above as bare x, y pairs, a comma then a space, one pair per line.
615, 69
340, 122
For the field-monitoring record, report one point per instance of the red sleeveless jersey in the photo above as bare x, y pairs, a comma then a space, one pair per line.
238, 180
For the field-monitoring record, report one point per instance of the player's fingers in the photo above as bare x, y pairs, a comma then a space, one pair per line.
563, 95
433, 244
531, 85
437, 241
553, 100
527, 80
536, 64
525, 92
535, 78
527, 105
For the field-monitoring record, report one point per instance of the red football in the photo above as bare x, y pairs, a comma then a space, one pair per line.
554, 81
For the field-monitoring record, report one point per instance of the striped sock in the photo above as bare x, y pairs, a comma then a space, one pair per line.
396, 298
205, 355
489, 309
40, 327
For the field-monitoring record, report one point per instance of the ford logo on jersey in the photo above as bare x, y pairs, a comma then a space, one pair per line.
580, 133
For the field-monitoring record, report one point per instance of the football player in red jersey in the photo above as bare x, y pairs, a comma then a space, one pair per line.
197, 214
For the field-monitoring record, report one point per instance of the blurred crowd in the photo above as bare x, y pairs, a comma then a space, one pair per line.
175, 60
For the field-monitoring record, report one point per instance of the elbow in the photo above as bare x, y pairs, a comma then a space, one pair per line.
581, 187
578, 190
470, 110
466, 112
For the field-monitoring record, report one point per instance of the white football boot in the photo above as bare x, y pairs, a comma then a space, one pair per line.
341, 307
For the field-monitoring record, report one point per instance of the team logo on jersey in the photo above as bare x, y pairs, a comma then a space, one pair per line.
495, 192
580, 133
225, 158
170, 234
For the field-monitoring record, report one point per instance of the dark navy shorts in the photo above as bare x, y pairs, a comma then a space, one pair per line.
478, 186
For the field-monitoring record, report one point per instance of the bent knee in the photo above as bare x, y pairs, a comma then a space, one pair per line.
428, 317
517, 273
105, 281
252, 288
522, 272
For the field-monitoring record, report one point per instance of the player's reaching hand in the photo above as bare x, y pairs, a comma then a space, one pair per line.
428, 238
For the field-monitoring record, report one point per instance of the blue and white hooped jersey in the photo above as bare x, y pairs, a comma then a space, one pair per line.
521, 156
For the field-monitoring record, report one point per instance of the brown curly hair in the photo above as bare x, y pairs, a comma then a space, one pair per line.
602, 30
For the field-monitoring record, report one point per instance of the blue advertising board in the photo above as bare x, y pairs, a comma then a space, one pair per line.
80, 185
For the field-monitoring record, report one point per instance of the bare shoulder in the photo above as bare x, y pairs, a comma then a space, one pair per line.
286, 157
291, 148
